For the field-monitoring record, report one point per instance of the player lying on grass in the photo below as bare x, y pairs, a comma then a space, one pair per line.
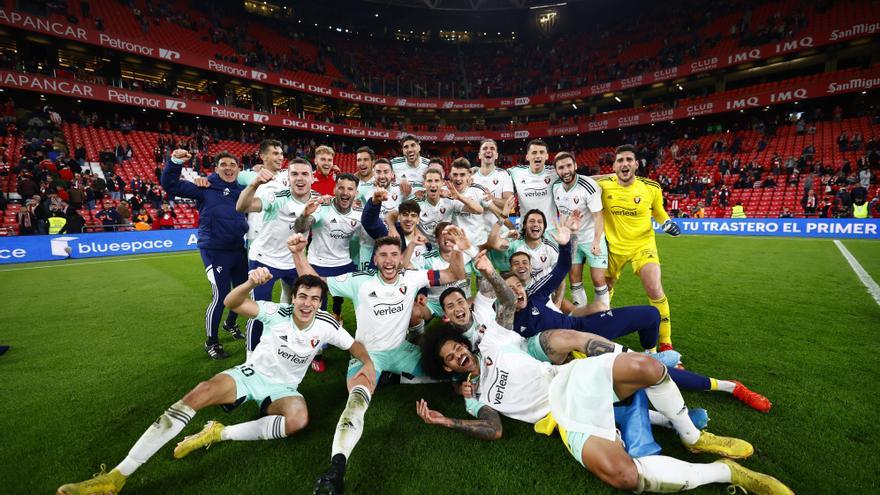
270, 377
383, 302
534, 315
579, 397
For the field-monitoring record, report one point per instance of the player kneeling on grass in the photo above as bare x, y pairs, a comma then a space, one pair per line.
581, 396
270, 376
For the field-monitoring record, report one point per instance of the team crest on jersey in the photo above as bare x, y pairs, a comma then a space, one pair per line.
442, 210
637, 200
481, 329
353, 222
315, 341
226, 191
495, 181
576, 200
394, 197
402, 290
546, 180
544, 259
488, 361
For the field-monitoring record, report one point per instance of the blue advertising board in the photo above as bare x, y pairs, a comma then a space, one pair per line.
833, 228
20, 249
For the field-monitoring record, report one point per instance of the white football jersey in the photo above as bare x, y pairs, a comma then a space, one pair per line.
332, 233
365, 192
415, 175
533, 190
497, 183
585, 196
474, 224
382, 310
432, 260
279, 183
430, 215
285, 351
511, 381
280, 211
543, 256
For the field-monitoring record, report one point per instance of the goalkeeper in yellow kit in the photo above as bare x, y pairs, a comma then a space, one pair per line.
629, 203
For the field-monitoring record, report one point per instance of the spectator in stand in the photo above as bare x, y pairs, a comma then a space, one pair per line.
27, 218
842, 142
143, 221
325, 171
786, 213
109, 217
856, 143
75, 222
27, 187
154, 196
124, 212
809, 203
164, 218
698, 211
865, 177
724, 196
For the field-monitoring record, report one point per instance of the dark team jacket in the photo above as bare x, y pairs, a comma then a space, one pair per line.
536, 316
220, 226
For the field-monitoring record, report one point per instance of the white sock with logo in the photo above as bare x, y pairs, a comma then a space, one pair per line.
168, 426
578, 294
265, 428
664, 474
351, 422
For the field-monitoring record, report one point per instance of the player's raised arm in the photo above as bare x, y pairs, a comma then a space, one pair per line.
170, 179
492, 286
304, 223
486, 427
470, 205
247, 203
456, 269
297, 245
239, 301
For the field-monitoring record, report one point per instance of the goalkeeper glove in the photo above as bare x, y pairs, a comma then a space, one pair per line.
671, 228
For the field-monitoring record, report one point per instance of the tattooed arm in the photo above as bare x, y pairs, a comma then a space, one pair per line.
304, 222
486, 427
492, 285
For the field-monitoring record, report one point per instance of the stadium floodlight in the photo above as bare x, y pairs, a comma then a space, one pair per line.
547, 6
618, 99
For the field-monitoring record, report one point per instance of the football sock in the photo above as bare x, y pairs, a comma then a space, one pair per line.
663, 474
168, 426
337, 304
662, 306
602, 294
265, 428
667, 400
688, 380
351, 423
722, 385
578, 295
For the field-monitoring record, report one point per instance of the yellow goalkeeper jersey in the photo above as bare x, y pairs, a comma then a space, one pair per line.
628, 211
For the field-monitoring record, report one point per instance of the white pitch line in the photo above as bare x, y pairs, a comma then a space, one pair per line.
866, 279
100, 262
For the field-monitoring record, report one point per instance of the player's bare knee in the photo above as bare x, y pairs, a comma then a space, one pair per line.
199, 395
295, 422
619, 472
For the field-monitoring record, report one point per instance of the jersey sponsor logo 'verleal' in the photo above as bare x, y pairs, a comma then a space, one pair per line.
385, 309
534, 193
500, 387
339, 234
627, 212
294, 358
637, 200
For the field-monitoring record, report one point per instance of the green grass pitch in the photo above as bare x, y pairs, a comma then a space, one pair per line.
101, 347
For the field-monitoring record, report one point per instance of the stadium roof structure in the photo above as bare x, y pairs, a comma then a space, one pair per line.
475, 5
